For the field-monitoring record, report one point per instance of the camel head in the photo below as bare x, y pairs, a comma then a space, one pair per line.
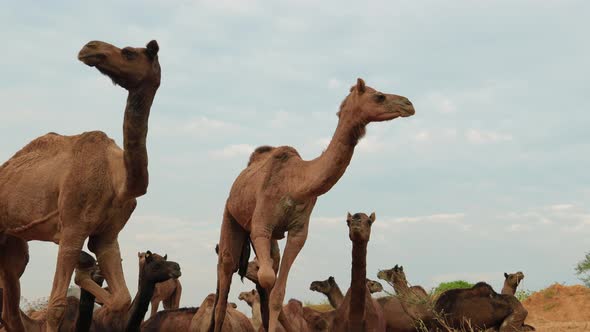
249, 297
252, 271
513, 279
365, 104
323, 287
87, 263
157, 268
129, 67
374, 286
359, 226
394, 275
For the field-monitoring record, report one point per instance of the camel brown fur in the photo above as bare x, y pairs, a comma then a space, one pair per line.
71, 188
359, 311
511, 282
253, 300
14, 257
167, 292
170, 320
155, 269
481, 307
277, 191
397, 278
235, 320
330, 288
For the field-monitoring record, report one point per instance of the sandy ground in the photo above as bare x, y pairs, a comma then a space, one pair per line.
560, 308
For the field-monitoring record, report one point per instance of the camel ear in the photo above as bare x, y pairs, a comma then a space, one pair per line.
401, 268
348, 218
372, 217
138, 254
148, 256
253, 292
331, 280
152, 49
166, 257
217, 249
505, 275
360, 85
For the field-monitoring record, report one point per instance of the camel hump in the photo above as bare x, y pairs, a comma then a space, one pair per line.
483, 289
259, 153
43, 143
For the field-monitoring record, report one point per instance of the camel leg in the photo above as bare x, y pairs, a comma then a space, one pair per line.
231, 243
155, 304
14, 257
106, 249
70, 247
275, 254
295, 242
515, 321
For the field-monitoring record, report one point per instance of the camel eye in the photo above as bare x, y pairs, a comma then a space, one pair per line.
379, 97
128, 54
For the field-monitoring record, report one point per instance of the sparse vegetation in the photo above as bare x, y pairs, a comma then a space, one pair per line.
523, 294
445, 286
583, 270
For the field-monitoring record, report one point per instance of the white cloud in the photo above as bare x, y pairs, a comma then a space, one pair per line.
440, 102
231, 151
482, 137
422, 136
198, 126
518, 228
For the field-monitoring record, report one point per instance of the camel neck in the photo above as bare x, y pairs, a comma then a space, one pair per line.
86, 309
401, 287
358, 283
140, 305
256, 315
135, 128
508, 289
335, 296
323, 172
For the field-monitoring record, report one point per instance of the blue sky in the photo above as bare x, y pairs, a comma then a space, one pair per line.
490, 175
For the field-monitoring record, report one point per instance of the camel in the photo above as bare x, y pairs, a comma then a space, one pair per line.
397, 278
253, 300
511, 282
155, 269
482, 308
330, 288
298, 317
167, 292
71, 188
14, 257
277, 191
236, 321
170, 320
359, 311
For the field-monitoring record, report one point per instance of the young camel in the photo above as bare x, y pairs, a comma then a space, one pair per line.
253, 300
236, 321
397, 278
71, 188
155, 269
330, 288
168, 292
511, 282
359, 311
277, 191
170, 320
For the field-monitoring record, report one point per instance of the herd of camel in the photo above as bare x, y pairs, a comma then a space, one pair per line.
69, 189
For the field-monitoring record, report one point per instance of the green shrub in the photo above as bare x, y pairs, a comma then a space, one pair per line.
523, 294
457, 284
583, 270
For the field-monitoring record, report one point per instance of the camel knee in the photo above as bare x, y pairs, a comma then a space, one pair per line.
226, 264
55, 314
266, 276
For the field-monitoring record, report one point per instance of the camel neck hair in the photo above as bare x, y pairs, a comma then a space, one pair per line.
328, 168
335, 296
508, 289
135, 128
140, 304
358, 283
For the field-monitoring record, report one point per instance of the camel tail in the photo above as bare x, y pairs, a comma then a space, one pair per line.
244, 258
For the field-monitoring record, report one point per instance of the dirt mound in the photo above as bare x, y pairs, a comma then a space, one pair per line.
559, 303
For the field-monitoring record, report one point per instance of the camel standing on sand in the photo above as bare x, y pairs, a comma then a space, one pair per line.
359, 311
66, 189
168, 291
511, 282
155, 269
330, 288
276, 193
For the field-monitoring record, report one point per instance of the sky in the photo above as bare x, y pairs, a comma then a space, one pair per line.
489, 176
